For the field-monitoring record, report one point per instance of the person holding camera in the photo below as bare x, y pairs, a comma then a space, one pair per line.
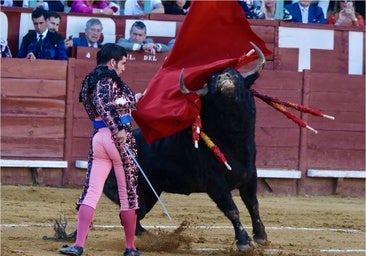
345, 15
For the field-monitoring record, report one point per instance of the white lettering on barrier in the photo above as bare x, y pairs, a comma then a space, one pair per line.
306, 39
150, 58
355, 53
130, 57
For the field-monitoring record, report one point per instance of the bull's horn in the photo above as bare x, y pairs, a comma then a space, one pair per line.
203, 91
260, 64
182, 86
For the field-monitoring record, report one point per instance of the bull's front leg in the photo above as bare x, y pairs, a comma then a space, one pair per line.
243, 240
222, 197
248, 193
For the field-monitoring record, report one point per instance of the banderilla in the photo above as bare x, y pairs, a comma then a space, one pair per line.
148, 181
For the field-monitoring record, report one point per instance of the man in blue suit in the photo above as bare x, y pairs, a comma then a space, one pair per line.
93, 33
41, 43
305, 12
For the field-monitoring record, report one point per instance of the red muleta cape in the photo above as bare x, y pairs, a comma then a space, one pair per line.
213, 36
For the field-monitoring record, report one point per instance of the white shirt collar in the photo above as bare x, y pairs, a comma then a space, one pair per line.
43, 34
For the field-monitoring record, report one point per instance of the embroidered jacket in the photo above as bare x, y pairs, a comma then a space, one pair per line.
100, 90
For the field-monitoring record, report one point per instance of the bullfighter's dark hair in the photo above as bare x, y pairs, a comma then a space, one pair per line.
110, 51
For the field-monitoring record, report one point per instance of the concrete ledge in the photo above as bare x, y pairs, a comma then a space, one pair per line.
336, 174
262, 173
81, 164
33, 163
278, 173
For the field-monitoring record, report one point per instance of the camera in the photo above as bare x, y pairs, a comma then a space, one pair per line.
258, 14
286, 15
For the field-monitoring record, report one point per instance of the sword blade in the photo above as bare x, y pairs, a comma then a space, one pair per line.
148, 181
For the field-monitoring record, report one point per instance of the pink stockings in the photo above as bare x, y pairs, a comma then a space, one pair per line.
128, 219
85, 217
105, 155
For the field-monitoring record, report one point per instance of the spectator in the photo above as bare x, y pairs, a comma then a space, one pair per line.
53, 21
40, 44
171, 44
268, 7
114, 6
345, 15
19, 3
137, 7
138, 40
91, 7
246, 10
324, 4
305, 12
5, 50
252, 4
177, 7
108, 101
55, 6
92, 38
251, 8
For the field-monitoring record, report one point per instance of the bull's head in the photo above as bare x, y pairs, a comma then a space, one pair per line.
226, 80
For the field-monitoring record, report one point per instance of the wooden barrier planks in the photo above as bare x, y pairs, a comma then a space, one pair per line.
33, 99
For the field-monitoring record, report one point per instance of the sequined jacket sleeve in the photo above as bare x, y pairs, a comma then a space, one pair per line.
104, 100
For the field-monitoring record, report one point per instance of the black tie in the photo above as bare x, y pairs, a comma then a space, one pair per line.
39, 47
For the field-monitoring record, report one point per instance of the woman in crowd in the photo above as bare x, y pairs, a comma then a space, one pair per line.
91, 7
178, 7
345, 15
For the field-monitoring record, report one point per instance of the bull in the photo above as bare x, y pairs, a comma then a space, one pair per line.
173, 165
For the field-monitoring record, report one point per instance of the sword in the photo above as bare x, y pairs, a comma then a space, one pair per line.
148, 181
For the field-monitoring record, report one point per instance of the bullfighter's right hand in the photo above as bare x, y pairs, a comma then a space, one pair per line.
120, 136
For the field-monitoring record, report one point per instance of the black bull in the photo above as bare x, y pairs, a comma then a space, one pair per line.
174, 165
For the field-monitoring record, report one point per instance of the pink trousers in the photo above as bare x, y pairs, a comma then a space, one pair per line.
104, 155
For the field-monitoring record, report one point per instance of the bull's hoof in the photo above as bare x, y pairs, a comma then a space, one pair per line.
245, 247
261, 241
140, 230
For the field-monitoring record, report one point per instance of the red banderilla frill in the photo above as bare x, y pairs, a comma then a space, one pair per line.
280, 106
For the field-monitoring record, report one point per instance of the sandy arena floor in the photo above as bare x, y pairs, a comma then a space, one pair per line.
296, 226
